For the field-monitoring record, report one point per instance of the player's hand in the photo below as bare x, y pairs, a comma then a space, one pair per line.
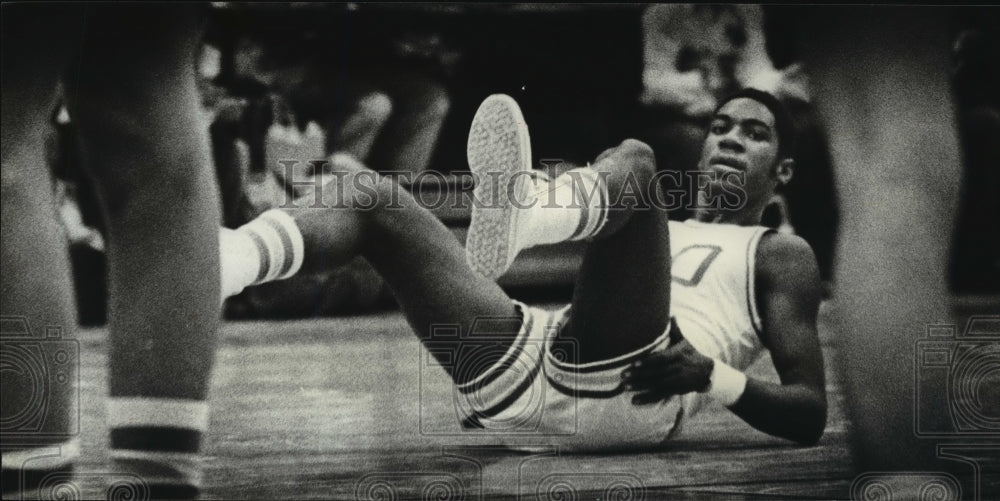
677, 370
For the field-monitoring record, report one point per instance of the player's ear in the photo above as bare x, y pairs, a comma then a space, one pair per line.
784, 170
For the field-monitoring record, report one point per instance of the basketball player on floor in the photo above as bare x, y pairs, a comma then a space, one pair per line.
734, 289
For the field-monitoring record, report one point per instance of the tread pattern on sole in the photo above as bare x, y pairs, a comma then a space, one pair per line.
498, 147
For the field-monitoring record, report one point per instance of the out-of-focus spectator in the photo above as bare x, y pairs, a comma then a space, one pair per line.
388, 114
263, 151
696, 54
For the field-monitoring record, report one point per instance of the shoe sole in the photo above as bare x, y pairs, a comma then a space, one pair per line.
497, 149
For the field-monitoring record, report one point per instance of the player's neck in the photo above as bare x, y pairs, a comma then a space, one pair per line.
720, 216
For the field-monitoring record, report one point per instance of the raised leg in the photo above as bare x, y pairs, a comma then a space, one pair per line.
622, 297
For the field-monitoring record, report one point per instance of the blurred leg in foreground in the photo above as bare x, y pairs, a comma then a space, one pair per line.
881, 82
130, 87
39, 418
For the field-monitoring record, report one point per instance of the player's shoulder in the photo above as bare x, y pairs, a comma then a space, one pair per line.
783, 257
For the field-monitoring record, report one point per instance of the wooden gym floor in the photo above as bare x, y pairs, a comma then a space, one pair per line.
340, 409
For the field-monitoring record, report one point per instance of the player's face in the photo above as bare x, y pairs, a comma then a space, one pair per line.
742, 139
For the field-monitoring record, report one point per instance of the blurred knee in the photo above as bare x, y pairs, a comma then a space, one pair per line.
425, 98
375, 107
436, 103
143, 190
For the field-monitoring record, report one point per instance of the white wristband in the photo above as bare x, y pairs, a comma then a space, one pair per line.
727, 384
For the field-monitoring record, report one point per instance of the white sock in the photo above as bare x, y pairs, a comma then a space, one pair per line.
574, 206
266, 249
45, 457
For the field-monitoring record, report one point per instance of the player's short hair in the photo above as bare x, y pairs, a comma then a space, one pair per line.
782, 119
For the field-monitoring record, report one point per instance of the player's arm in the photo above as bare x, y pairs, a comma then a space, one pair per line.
788, 296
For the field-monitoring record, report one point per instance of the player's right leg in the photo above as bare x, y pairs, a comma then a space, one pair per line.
39, 418
621, 300
620, 308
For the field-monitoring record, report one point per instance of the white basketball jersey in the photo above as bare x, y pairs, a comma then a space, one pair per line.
712, 297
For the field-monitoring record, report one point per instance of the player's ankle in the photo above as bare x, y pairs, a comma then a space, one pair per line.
269, 248
156, 443
572, 207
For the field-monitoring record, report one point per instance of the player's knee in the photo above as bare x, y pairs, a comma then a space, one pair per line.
635, 147
370, 191
639, 159
387, 193
18, 192
637, 150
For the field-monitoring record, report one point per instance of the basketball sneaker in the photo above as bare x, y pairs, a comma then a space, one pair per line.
498, 149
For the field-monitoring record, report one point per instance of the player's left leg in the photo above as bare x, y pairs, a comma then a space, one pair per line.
362, 213
465, 320
132, 91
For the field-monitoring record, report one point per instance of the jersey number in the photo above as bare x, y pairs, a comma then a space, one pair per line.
690, 264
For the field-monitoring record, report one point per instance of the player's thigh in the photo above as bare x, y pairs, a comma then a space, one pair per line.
35, 40
131, 92
131, 81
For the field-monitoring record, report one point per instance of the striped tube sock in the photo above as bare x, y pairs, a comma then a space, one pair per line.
266, 249
574, 206
155, 444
